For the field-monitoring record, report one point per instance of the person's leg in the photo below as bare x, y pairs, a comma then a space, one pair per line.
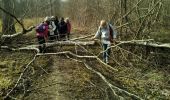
61, 36
53, 38
55, 35
104, 52
40, 44
49, 36
64, 36
68, 36
108, 53
43, 45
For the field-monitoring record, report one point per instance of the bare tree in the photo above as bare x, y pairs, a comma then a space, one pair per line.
8, 26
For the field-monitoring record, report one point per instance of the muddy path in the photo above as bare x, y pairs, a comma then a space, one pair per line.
67, 80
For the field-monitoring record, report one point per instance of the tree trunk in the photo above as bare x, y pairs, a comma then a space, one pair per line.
8, 26
51, 8
125, 11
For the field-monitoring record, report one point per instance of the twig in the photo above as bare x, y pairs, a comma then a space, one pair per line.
144, 16
129, 11
20, 77
78, 56
44, 70
127, 42
112, 86
105, 80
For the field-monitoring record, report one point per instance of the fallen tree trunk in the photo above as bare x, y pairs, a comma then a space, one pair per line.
18, 34
61, 43
71, 43
20, 49
148, 43
84, 37
57, 43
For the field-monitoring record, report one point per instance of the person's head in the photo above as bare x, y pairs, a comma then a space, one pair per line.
62, 19
67, 20
46, 20
103, 23
52, 17
56, 17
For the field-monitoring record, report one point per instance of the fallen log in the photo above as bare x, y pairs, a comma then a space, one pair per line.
84, 37
80, 57
29, 48
62, 43
18, 34
149, 43
57, 43
71, 43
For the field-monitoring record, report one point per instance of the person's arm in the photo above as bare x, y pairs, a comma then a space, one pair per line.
46, 33
97, 35
54, 26
69, 27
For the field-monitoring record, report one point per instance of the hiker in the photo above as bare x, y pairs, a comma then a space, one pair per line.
56, 31
62, 29
42, 34
107, 34
52, 28
68, 28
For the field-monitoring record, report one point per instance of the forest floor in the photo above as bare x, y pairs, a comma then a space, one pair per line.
61, 78
68, 80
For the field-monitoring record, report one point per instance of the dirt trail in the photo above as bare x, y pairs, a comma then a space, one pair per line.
67, 80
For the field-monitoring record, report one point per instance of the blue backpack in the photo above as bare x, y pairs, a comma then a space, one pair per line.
40, 28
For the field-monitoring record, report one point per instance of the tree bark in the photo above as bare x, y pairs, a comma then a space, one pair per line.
8, 26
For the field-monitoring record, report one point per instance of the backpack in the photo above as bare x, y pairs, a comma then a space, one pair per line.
111, 34
40, 28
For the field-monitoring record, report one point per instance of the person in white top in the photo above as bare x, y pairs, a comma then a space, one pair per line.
52, 28
108, 34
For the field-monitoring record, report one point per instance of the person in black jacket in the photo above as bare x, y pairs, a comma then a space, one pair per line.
62, 29
56, 32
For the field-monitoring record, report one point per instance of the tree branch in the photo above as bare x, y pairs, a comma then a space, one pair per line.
18, 34
13, 17
24, 30
20, 77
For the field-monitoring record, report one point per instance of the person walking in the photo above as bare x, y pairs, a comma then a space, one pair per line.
62, 29
68, 28
108, 35
52, 28
42, 35
56, 32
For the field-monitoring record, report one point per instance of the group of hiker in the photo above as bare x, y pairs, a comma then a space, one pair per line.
52, 29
